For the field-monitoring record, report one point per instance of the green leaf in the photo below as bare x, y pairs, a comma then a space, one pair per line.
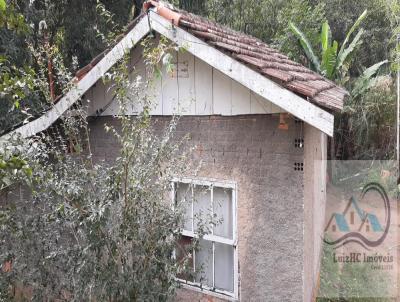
306, 46
372, 70
325, 36
329, 60
28, 172
3, 5
6, 181
363, 82
352, 29
342, 56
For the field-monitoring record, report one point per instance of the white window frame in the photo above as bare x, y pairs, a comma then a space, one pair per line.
210, 182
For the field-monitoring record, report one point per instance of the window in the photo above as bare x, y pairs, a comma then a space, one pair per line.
215, 263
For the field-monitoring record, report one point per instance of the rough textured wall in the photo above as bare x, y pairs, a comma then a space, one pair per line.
253, 152
315, 155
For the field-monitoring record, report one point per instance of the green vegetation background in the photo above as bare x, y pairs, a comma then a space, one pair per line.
78, 30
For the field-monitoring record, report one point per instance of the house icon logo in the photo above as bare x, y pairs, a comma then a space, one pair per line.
360, 226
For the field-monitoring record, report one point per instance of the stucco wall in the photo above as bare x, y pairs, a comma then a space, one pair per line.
253, 152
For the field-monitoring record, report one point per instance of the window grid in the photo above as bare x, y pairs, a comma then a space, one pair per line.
212, 238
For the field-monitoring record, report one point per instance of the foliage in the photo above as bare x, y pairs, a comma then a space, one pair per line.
98, 231
393, 9
350, 282
11, 19
270, 21
345, 52
194, 6
365, 81
341, 15
306, 47
367, 127
15, 83
16, 79
334, 61
103, 231
24, 90
79, 30
77, 27
75, 32
14, 166
266, 19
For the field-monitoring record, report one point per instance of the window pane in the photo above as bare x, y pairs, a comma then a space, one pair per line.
202, 206
204, 263
224, 266
184, 256
184, 197
223, 210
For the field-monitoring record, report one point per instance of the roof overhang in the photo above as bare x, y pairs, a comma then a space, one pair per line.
259, 84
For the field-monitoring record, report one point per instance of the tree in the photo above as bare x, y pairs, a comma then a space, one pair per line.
268, 20
341, 15
334, 63
76, 32
365, 127
196, 6
98, 231
393, 8
17, 77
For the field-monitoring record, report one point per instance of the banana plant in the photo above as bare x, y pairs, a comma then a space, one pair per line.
366, 80
333, 59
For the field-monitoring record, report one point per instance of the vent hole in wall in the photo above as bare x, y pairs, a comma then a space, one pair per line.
298, 166
299, 143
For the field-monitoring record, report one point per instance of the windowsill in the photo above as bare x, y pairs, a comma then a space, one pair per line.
208, 292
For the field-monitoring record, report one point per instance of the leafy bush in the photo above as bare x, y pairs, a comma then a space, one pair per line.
97, 231
367, 128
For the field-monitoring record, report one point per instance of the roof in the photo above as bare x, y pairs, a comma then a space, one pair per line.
376, 226
245, 59
253, 52
341, 222
267, 61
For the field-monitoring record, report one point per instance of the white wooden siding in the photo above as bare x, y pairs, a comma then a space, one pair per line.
203, 79
222, 93
186, 83
241, 101
169, 91
193, 88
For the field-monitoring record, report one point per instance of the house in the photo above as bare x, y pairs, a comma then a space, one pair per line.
260, 123
353, 219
